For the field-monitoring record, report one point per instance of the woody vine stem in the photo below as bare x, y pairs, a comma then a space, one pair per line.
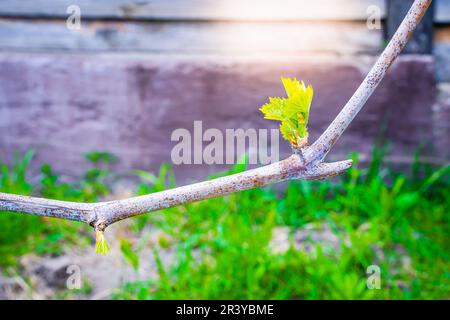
307, 164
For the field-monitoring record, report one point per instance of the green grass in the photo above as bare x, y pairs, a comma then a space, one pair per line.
380, 216
398, 220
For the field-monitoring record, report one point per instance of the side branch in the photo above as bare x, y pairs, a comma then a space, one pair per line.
290, 168
308, 164
46, 207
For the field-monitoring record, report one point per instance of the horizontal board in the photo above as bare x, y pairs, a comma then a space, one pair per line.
198, 9
259, 10
442, 11
442, 34
198, 37
442, 54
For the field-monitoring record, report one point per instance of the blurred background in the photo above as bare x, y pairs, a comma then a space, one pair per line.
90, 92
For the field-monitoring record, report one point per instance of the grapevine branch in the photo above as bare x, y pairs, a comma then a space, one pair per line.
307, 164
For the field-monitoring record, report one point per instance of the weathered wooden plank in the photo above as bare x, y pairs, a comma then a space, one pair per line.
441, 53
220, 37
197, 9
442, 34
208, 9
442, 13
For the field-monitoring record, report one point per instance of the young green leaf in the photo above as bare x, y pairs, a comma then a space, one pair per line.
287, 129
293, 111
274, 109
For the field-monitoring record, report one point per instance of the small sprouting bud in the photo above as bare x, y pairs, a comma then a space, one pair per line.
101, 245
293, 111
